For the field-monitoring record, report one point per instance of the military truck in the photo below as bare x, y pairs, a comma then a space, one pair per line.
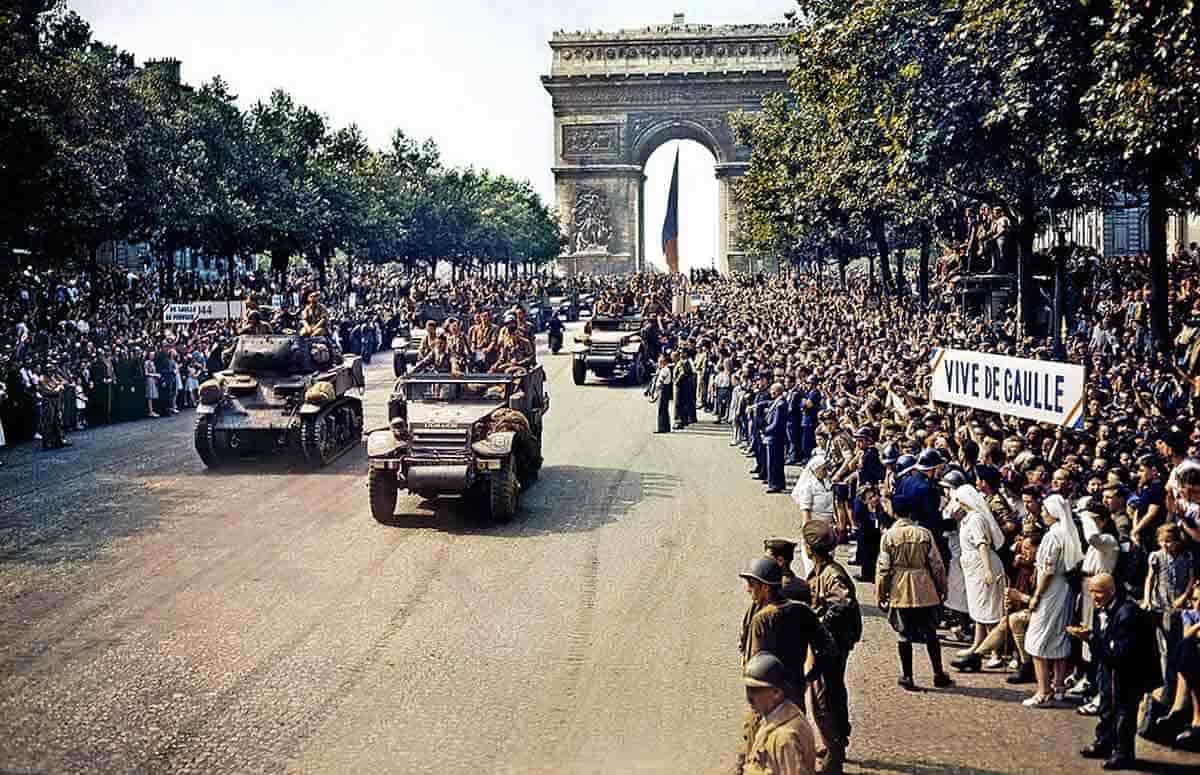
476, 435
611, 347
280, 392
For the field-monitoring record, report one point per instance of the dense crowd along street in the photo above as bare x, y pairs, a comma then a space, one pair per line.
782, 375
326, 447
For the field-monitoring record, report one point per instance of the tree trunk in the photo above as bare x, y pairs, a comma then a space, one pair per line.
1026, 231
879, 236
93, 263
901, 284
923, 266
1160, 312
229, 272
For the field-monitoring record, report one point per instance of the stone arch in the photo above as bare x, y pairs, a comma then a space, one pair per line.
671, 128
617, 96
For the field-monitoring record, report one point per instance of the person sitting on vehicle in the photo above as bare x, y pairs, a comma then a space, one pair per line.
254, 325
524, 324
515, 347
314, 319
431, 334
439, 360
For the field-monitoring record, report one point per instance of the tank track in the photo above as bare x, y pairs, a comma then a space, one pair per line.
204, 439
330, 433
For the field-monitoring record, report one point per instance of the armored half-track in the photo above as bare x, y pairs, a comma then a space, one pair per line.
611, 347
476, 435
281, 392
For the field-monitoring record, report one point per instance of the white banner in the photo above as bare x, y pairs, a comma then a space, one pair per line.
1046, 391
219, 310
179, 313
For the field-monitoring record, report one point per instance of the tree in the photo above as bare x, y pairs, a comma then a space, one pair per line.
1146, 103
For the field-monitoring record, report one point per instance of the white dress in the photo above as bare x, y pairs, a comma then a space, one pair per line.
985, 602
1047, 634
956, 583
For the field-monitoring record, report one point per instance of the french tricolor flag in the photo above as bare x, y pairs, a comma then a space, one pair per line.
670, 231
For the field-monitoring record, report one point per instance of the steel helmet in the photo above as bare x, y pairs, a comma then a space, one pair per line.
953, 479
765, 671
889, 454
765, 570
905, 463
929, 459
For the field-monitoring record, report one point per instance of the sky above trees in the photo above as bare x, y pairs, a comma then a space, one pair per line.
464, 73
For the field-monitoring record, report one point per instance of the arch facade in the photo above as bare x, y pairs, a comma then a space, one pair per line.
619, 95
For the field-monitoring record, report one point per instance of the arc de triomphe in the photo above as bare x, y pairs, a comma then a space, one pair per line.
619, 95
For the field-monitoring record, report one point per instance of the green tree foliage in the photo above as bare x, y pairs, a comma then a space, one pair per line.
93, 148
900, 113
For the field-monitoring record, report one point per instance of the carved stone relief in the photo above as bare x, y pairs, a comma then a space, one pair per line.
591, 140
591, 221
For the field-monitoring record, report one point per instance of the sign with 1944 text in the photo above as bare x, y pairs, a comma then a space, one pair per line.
1046, 391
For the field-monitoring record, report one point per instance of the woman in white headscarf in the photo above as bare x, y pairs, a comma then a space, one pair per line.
1050, 607
813, 493
979, 537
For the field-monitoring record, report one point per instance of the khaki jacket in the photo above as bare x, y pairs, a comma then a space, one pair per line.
783, 746
910, 572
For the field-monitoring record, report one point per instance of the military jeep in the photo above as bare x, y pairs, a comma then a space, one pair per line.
476, 435
611, 347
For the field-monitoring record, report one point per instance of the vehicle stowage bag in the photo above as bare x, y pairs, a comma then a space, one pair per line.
320, 393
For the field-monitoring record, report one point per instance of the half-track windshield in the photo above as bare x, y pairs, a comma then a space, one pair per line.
630, 323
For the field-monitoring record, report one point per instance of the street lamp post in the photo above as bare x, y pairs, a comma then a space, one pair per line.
1058, 222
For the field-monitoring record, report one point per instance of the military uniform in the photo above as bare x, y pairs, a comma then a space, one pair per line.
514, 350
783, 744
836, 604
315, 320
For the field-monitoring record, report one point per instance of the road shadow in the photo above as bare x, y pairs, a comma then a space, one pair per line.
918, 767
565, 499
290, 463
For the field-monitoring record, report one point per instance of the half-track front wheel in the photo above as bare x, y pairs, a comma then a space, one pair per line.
578, 371
382, 488
503, 492
205, 439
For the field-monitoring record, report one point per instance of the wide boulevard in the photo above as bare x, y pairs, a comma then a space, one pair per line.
156, 617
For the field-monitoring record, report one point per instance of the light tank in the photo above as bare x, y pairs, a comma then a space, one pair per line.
281, 393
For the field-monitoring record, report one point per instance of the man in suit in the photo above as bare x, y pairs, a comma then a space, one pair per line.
810, 409
1123, 645
795, 397
775, 439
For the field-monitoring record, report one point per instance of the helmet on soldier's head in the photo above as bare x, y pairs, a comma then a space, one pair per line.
509, 317
765, 671
764, 570
953, 479
929, 459
905, 462
889, 454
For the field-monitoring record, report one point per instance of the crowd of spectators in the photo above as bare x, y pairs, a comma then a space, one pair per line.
88, 347
1033, 528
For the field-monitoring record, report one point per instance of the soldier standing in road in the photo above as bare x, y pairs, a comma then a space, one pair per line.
681, 379
783, 741
836, 603
910, 584
663, 379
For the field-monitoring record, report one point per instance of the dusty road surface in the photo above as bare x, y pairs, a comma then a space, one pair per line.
155, 617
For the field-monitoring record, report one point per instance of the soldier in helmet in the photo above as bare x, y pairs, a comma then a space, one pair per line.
787, 628
783, 741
